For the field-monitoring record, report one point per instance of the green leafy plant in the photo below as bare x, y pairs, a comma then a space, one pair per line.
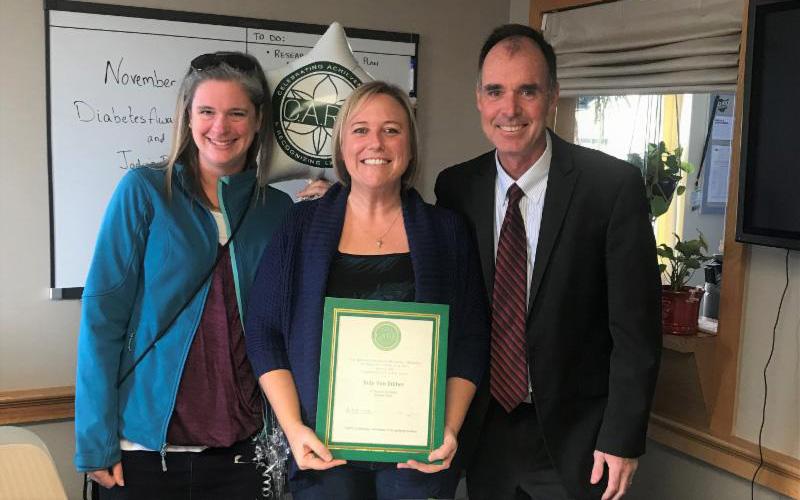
662, 170
684, 258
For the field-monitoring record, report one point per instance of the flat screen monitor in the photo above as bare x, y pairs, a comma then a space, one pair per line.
769, 177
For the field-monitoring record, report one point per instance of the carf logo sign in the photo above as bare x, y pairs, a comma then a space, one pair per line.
305, 104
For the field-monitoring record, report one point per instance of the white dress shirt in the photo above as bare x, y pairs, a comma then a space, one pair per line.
534, 184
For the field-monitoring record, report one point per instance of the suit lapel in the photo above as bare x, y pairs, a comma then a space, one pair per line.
560, 184
482, 201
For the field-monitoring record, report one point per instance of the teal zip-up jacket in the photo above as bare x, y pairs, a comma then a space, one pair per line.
152, 252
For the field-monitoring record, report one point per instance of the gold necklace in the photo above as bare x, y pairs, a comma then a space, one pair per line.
379, 240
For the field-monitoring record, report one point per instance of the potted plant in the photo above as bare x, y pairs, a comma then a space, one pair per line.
662, 171
680, 303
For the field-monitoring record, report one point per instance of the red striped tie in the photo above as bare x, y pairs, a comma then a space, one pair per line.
508, 369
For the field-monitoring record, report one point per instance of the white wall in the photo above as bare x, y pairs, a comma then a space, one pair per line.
519, 11
766, 279
37, 337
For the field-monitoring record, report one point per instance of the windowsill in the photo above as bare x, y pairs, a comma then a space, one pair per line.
688, 343
685, 388
702, 339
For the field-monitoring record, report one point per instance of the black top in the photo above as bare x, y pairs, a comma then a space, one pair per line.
373, 277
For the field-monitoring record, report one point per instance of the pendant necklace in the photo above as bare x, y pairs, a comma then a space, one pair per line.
379, 239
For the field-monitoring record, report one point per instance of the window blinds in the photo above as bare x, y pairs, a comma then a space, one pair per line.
647, 46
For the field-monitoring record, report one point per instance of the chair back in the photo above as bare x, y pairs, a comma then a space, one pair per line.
27, 470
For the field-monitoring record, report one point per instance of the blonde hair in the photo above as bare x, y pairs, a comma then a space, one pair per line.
183, 149
351, 105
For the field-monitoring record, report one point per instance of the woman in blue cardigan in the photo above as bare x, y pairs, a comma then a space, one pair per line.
370, 237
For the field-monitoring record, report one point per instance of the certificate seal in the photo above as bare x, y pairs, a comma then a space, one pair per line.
386, 336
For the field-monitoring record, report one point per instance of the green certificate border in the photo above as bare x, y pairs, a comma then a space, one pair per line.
335, 309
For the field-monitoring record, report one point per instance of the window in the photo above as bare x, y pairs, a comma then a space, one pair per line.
623, 125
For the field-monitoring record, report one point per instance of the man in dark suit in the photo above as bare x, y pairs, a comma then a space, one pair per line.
569, 259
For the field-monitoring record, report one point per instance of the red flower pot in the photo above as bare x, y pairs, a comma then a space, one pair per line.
679, 310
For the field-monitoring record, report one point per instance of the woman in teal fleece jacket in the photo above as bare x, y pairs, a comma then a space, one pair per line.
165, 399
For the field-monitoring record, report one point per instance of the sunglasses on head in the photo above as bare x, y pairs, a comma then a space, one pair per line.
235, 60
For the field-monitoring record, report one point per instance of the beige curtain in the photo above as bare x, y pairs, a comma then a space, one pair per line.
647, 46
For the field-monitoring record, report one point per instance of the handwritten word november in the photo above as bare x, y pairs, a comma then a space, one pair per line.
120, 77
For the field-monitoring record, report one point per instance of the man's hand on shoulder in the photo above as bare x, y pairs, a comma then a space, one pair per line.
620, 473
314, 189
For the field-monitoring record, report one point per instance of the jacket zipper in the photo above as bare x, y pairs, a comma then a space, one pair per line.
231, 248
163, 453
163, 450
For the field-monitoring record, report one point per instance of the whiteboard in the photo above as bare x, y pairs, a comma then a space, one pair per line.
113, 79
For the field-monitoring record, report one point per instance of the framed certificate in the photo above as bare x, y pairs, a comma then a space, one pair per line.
382, 379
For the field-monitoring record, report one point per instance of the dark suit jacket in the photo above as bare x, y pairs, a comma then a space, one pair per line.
593, 325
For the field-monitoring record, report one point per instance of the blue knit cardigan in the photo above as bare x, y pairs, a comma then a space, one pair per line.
284, 318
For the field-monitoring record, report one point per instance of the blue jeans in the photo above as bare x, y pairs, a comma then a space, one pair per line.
369, 480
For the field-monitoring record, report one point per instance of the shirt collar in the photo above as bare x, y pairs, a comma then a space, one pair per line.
531, 180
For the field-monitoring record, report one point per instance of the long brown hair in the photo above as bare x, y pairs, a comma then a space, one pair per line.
184, 150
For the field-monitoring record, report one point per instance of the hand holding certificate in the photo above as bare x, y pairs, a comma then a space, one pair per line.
382, 379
